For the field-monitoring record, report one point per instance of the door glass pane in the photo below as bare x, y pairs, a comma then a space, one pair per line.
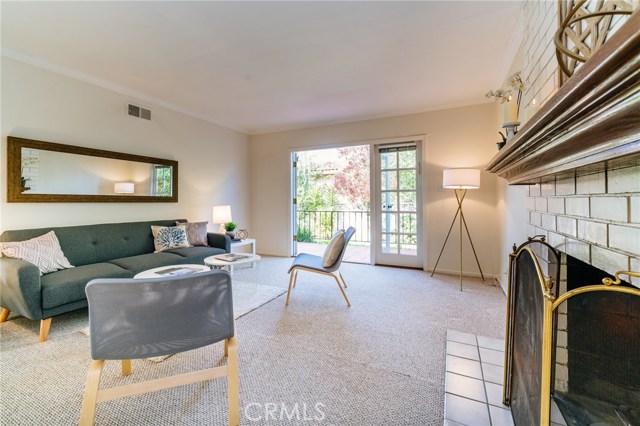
407, 179
408, 244
389, 243
407, 159
389, 201
389, 180
408, 201
389, 222
408, 223
388, 160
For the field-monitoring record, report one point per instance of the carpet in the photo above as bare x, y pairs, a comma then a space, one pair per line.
380, 362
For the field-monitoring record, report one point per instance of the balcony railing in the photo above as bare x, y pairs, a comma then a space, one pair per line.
319, 225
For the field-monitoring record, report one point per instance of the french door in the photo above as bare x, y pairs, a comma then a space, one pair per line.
398, 205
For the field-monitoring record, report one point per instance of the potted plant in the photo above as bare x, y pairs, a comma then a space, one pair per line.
230, 227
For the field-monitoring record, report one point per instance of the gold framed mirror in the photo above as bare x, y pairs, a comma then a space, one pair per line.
47, 172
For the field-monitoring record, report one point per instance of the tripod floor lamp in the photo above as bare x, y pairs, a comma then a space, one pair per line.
460, 180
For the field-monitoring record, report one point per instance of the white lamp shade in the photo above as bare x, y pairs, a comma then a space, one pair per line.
461, 178
123, 188
221, 214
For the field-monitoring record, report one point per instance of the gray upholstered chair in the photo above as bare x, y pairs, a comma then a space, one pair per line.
312, 263
141, 318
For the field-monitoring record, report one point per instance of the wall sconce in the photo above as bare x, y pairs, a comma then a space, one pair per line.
124, 188
221, 215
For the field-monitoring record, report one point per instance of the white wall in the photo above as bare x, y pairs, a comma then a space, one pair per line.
40, 104
461, 137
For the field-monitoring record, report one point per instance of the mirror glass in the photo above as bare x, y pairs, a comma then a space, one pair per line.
41, 171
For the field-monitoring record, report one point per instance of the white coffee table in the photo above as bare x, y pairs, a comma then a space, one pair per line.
171, 270
216, 263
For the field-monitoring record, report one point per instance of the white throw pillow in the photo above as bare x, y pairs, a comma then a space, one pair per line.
169, 237
43, 251
333, 250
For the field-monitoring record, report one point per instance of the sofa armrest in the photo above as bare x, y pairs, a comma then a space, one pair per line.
20, 287
220, 241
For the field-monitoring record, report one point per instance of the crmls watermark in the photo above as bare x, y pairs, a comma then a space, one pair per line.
268, 411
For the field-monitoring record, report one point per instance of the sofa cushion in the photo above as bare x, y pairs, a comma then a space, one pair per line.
168, 237
88, 244
68, 285
196, 232
43, 251
196, 254
143, 262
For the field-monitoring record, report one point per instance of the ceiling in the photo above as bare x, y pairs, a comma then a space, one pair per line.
265, 66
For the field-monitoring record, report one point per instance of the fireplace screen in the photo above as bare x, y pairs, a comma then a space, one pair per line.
525, 325
597, 347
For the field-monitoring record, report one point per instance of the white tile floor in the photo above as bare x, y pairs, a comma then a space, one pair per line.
473, 381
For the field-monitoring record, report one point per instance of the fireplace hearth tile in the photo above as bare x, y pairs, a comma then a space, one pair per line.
494, 394
467, 387
493, 373
466, 411
464, 367
460, 337
464, 389
500, 416
491, 343
463, 351
492, 357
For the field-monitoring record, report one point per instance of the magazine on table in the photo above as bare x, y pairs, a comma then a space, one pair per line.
178, 270
232, 257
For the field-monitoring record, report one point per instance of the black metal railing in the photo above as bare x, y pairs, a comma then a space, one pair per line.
319, 225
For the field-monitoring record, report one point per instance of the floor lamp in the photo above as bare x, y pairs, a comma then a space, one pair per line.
460, 180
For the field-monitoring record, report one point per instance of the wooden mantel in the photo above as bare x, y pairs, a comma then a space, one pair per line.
592, 119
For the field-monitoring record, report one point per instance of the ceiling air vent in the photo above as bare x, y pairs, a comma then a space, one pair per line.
136, 111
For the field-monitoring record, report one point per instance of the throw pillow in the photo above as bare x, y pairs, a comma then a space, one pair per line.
196, 233
43, 251
169, 237
333, 250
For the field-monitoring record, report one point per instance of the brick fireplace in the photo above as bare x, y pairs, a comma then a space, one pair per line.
580, 159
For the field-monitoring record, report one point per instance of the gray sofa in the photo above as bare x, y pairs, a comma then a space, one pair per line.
112, 250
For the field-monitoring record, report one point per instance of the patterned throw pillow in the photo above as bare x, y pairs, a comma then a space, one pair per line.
169, 237
43, 251
333, 250
196, 233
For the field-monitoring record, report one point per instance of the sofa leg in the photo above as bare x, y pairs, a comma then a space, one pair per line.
4, 314
44, 329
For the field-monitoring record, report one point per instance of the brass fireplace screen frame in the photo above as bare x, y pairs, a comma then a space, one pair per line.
551, 302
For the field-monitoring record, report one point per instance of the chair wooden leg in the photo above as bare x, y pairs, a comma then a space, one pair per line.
342, 278
232, 378
126, 367
286, 303
4, 314
44, 329
226, 347
295, 279
90, 399
341, 290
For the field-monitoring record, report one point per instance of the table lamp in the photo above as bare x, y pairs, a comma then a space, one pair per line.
221, 215
123, 188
